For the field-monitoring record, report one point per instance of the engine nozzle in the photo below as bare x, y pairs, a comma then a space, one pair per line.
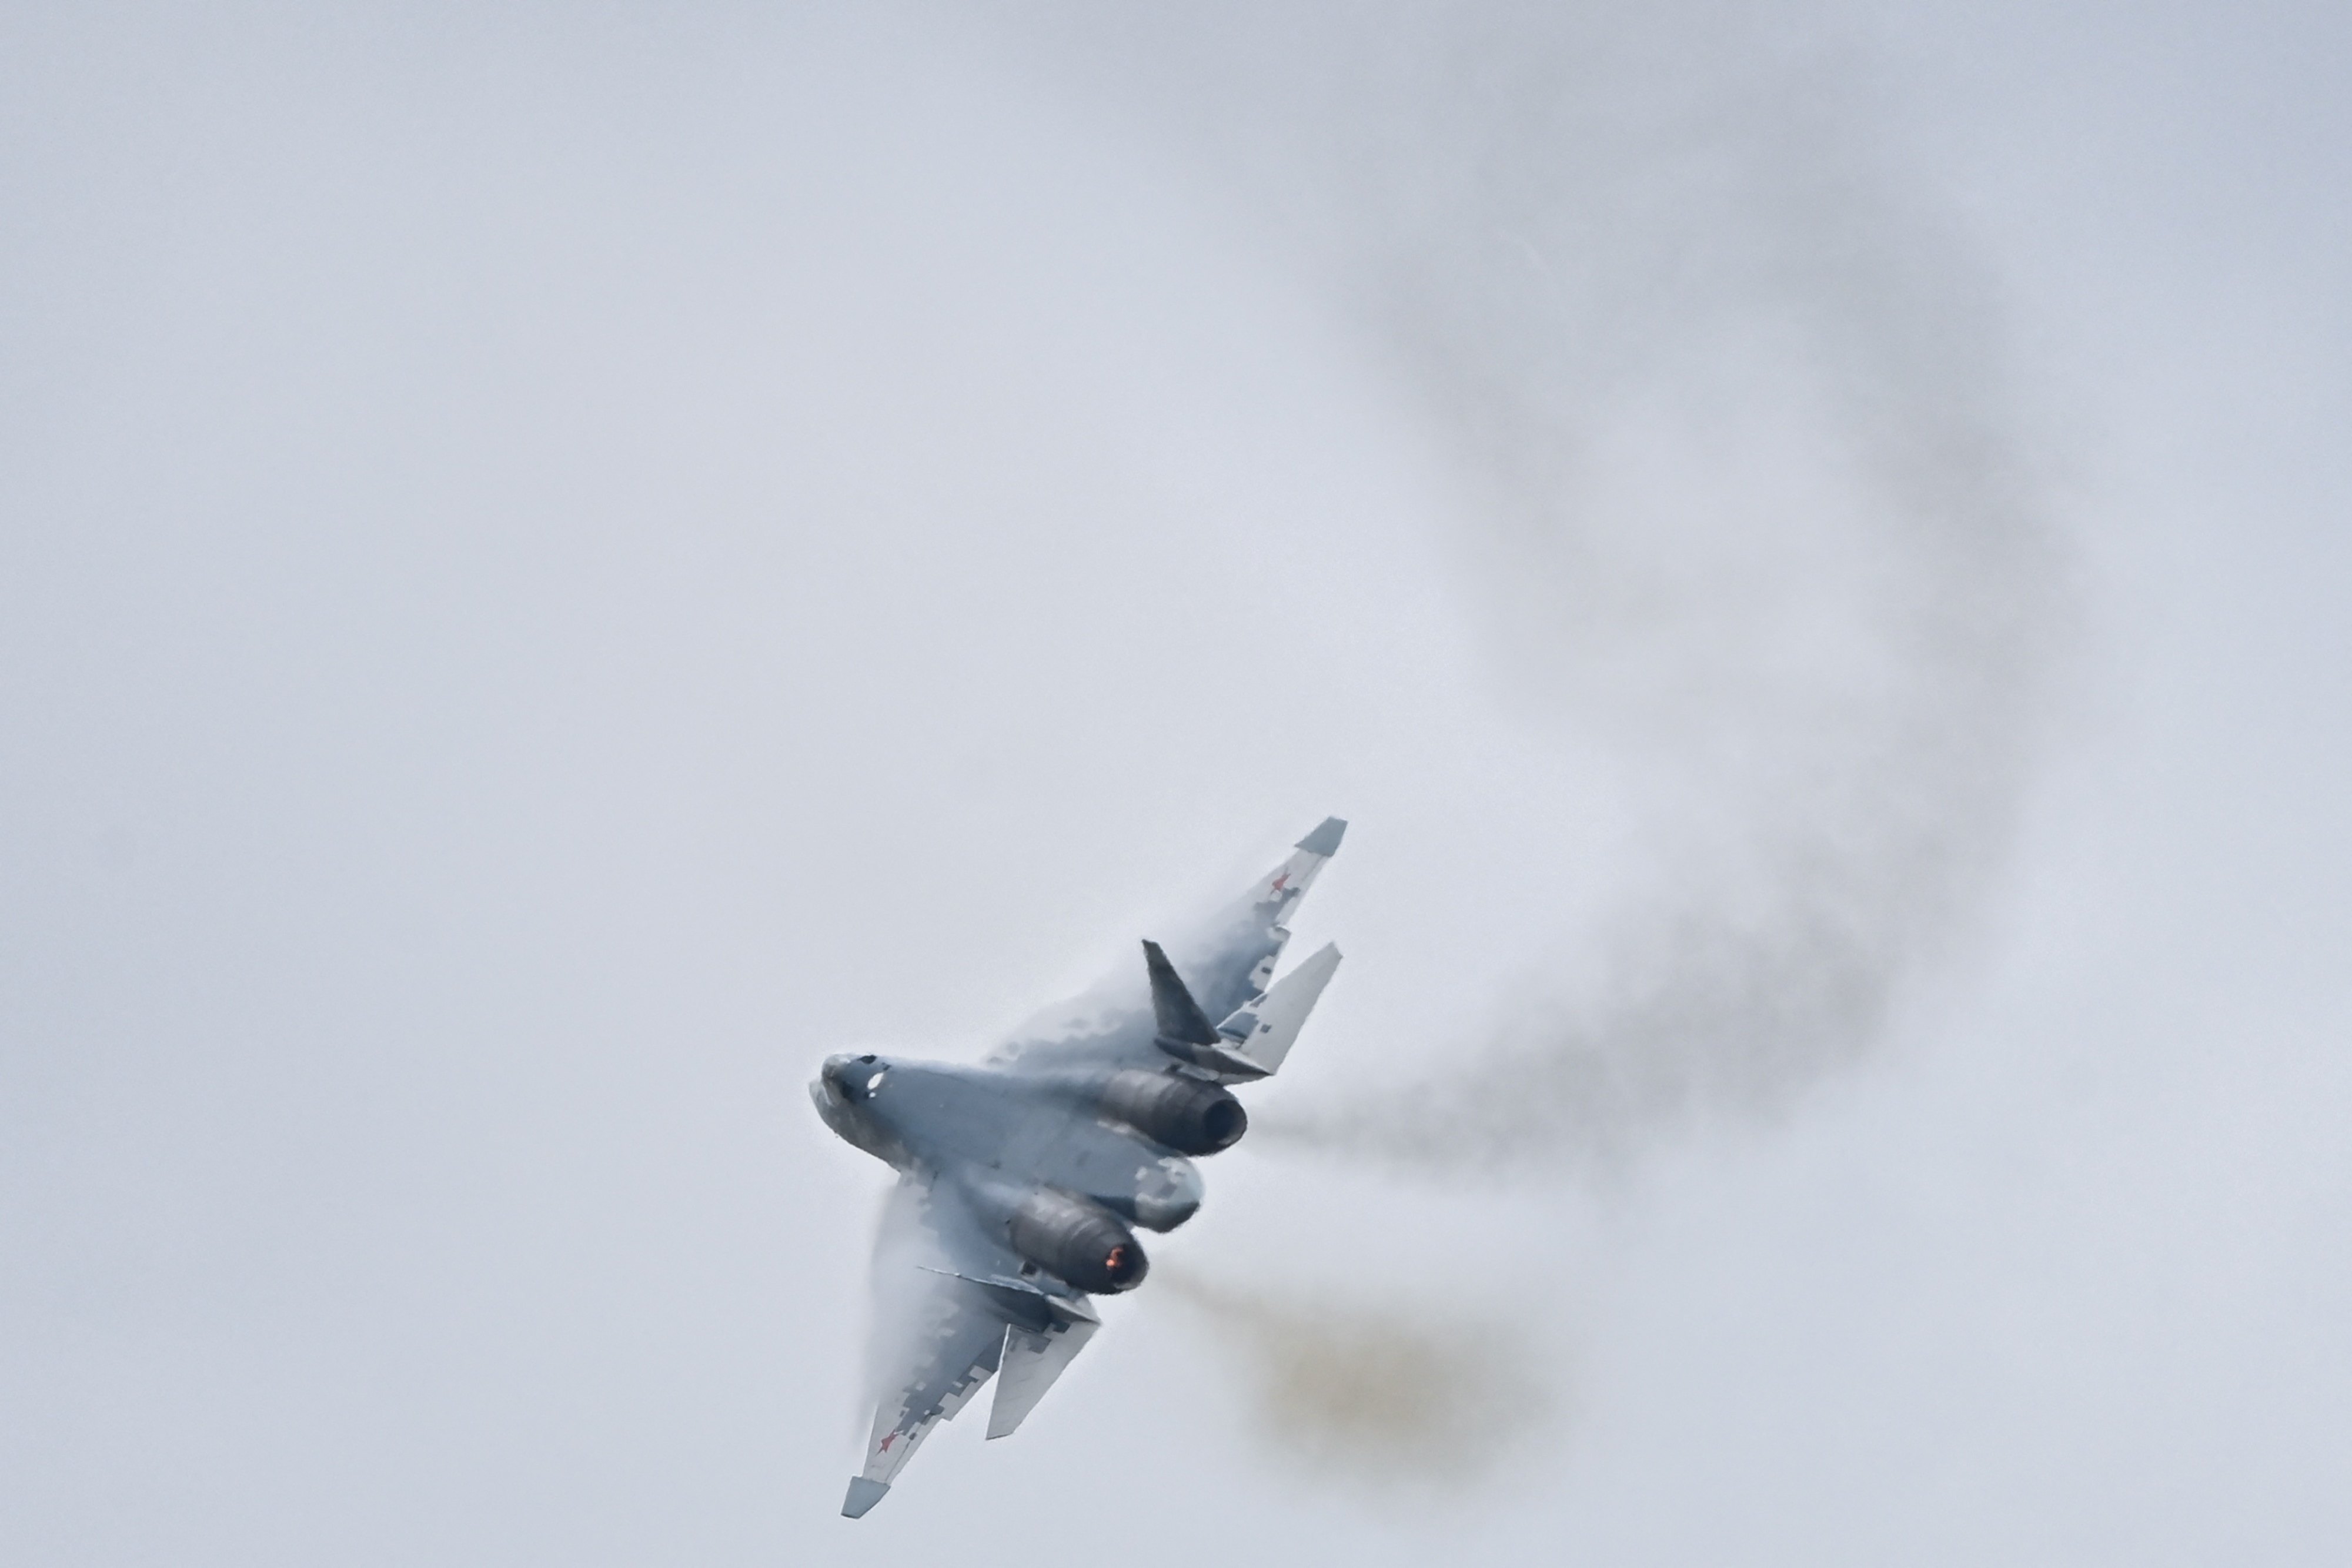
1077, 1241
1175, 1111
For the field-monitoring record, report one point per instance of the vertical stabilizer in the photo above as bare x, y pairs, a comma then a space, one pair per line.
1178, 1017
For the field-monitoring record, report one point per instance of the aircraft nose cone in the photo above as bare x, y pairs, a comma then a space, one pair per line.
852, 1077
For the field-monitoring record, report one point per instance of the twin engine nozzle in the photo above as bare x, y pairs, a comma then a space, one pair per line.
1083, 1242
1082, 1237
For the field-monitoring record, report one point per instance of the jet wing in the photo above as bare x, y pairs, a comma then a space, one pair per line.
1227, 967
950, 1309
1232, 958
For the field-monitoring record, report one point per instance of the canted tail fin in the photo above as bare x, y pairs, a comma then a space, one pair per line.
1179, 1018
1184, 1031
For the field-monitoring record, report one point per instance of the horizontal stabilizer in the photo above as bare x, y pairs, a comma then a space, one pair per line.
1032, 1360
1263, 1031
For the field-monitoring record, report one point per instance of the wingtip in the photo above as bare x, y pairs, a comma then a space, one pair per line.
1325, 839
863, 1495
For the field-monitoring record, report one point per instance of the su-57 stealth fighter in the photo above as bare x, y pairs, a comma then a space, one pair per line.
1020, 1180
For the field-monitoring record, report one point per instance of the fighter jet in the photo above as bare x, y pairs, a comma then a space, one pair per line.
1021, 1180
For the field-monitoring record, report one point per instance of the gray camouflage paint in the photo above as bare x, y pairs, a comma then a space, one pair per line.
1047, 1148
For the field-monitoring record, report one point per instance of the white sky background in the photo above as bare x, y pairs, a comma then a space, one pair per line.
559, 567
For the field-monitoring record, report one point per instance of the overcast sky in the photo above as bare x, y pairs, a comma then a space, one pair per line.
559, 566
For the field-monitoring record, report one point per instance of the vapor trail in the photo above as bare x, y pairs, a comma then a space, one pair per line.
1752, 506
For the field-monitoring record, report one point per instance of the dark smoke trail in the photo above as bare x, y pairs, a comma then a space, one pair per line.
1381, 1396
